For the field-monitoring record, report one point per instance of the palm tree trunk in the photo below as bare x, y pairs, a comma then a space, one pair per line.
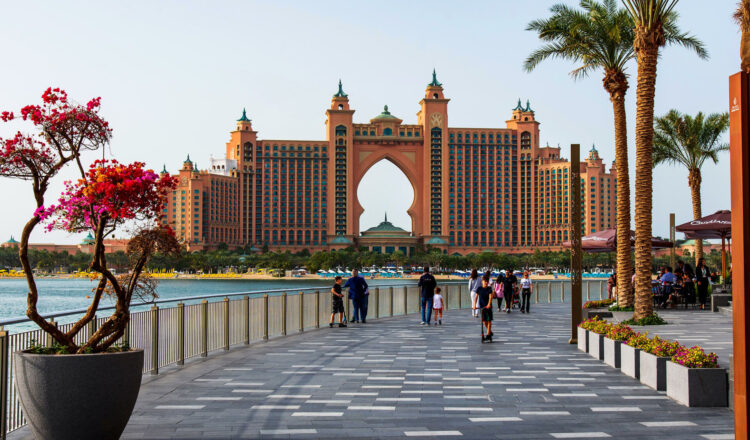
624, 263
647, 55
694, 180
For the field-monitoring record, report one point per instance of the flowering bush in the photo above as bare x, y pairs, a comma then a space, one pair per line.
598, 303
619, 332
695, 357
640, 341
596, 325
109, 191
662, 348
105, 196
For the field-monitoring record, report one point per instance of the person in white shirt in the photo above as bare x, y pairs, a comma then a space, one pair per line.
526, 287
437, 306
474, 283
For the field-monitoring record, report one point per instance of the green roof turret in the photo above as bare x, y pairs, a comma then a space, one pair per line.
12, 240
340, 93
164, 169
518, 106
188, 160
593, 149
244, 117
434, 82
528, 107
386, 114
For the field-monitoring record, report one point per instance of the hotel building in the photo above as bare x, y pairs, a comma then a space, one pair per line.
475, 189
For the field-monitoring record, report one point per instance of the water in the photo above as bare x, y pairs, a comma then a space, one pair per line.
68, 294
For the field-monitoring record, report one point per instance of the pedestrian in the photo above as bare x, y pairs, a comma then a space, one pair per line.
427, 286
484, 301
357, 288
437, 306
611, 283
474, 283
509, 285
337, 302
702, 279
526, 288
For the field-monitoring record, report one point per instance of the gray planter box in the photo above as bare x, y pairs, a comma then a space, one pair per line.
78, 396
630, 361
697, 386
612, 352
653, 371
619, 317
583, 340
596, 346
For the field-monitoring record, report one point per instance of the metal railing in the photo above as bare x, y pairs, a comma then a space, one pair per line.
171, 335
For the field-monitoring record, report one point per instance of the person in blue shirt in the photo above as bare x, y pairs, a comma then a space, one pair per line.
358, 294
667, 280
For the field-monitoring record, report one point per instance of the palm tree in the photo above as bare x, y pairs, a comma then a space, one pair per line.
600, 37
655, 25
742, 17
689, 141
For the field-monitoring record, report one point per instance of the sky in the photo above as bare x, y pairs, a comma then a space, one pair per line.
175, 75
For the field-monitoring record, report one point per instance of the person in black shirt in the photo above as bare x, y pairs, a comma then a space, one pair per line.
427, 284
337, 303
484, 303
509, 284
702, 278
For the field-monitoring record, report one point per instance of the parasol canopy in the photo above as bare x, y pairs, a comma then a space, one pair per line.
716, 225
606, 241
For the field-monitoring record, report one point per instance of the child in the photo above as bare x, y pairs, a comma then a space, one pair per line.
484, 302
437, 306
337, 303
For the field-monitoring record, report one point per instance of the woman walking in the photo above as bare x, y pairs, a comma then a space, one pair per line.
474, 284
702, 275
526, 289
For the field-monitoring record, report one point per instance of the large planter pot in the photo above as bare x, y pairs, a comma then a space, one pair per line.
697, 386
612, 352
621, 316
78, 396
630, 361
583, 340
596, 346
653, 371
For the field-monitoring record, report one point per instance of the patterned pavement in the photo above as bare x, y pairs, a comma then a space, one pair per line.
392, 378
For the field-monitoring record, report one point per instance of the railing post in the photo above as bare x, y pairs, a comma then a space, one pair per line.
562, 293
283, 314
347, 301
154, 340
459, 296
536, 294
4, 380
204, 328
126, 332
50, 340
92, 327
588, 290
406, 300
301, 312
317, 309
265, 317
549, 292
377, 302
226, 324
246, 318
601, 289
180, 333
390, 303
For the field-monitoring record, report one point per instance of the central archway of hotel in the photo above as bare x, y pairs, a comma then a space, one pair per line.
385, 189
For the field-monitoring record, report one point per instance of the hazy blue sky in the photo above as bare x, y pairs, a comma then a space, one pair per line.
175, 75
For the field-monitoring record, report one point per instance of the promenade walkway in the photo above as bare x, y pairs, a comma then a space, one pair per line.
393, 378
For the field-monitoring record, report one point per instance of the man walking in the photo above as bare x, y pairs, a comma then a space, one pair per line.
427, 286
357, 288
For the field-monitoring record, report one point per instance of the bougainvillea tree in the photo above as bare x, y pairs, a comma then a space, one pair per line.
106, 195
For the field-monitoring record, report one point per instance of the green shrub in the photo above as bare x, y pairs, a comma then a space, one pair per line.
648, 320
616, 308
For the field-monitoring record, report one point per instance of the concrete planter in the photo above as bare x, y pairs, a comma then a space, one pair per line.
78, 396
697, 386
630, 361
619, 317
583, 340
653, 371
596, 346
612, 352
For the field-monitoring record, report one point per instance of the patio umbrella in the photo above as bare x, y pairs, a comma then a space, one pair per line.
606, 241
716, 225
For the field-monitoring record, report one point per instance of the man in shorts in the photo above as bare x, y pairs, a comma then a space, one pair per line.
337, 303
